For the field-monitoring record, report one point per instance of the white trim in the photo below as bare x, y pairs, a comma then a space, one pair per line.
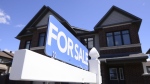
116, 25
37, 48
121, 73
119, 47
144, 67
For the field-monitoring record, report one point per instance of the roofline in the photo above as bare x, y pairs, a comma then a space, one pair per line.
80, 29
8, 53
38, 15
148, 52
119, 10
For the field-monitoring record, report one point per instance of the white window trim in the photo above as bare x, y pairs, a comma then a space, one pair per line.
144, 67
120, 73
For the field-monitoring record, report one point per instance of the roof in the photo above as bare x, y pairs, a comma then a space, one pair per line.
128, 58
148, 52
114, 8
6, 54
41, 13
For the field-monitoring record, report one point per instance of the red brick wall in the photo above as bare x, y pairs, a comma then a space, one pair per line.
132, 73
36, 36
23, 41
133, 30
122, 50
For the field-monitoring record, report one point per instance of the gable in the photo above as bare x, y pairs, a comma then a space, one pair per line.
116, 18
41, 19
44, 20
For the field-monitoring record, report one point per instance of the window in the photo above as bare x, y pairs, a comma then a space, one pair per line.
113, 73
27, 45
148, 69
88, 42
121, 73
118, 38
41, 41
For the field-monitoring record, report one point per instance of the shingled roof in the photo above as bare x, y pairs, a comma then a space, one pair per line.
6, 54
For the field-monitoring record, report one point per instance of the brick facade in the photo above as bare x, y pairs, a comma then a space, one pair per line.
132, 70
133, 31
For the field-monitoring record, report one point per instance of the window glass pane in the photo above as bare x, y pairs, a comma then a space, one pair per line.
27, 45
148, 69
117, 33
110, 41
113, 73
126, 39
90, 43
109, 34
121, 73
125, 32
118, 40
41, 39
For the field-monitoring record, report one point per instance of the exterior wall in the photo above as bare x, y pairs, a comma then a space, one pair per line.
133, 31
104, 73
116, 17
44, 20
132, 73
35, 37
23, 41
122, 50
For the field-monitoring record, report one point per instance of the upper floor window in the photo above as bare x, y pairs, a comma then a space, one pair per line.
88, 42
118, 38
41, 41
27, 44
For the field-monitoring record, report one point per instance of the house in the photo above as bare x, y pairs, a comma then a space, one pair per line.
115, 36
5, 61
5, 64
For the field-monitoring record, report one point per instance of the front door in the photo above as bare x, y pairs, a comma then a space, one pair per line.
116, 75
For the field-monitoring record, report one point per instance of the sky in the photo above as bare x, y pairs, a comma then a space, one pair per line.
15, 14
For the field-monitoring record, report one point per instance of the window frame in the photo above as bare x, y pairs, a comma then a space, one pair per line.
121, 73
40, 37
121, 35
113, 73
147, 68
27, 43
86, 37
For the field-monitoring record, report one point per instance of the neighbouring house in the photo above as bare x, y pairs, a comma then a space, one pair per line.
5, 61
148, 52
115, 36
5, 64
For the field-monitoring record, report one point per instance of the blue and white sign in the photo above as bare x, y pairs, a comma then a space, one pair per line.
62, 45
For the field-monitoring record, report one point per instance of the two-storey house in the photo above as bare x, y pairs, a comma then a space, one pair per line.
115, 36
